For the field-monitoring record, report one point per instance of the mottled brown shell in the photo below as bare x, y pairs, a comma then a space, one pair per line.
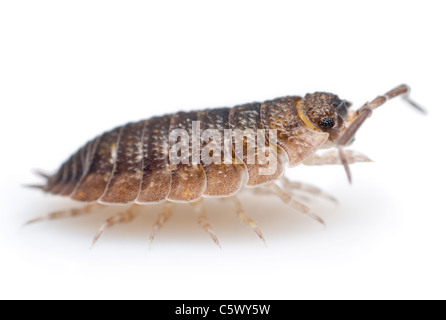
130, 164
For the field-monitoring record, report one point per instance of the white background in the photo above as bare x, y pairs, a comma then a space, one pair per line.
70, 70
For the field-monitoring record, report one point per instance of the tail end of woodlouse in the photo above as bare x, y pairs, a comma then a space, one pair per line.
41, 174
42, 187
34, 186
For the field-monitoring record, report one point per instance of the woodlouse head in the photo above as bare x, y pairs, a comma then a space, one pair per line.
326, 112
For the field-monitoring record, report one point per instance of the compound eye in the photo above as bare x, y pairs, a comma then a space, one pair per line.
326, 123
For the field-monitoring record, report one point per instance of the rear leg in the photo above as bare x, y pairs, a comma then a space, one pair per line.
163, 217
204, 222
287, 198
66, 213
121, 217
241, 214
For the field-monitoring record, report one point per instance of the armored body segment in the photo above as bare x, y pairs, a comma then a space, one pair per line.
76, 171
222, 180
188, 180
59, 182
81, 163
293, 136
125, 182
156, 180
71, 167
54, 181
93, 184
247, 117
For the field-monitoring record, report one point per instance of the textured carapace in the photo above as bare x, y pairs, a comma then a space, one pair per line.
130, 164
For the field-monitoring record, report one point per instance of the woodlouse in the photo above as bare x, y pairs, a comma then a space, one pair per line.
133, 163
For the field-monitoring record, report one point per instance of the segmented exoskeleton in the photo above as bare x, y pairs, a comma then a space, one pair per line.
130, 164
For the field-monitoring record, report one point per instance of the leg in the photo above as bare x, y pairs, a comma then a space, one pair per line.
288, 199
241, 214
332, 157
358, 118
294, 185
66, 213
268, 191
203, 221
161, 220
122, 217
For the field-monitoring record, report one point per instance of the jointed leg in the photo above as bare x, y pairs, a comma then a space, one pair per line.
204, 222
161, 220
241, 214
332, 157
66, 213
288, 199
294, 185
122, 217
263, 190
